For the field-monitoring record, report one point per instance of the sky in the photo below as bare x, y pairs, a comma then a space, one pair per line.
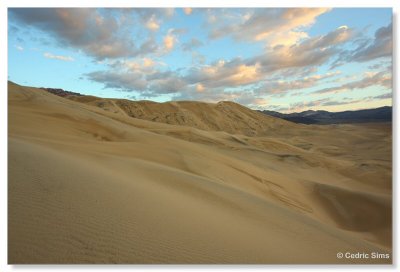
281, 59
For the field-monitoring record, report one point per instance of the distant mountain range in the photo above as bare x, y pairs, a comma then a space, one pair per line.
382, 114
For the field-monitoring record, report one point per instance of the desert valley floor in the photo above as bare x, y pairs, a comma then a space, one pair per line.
93, 180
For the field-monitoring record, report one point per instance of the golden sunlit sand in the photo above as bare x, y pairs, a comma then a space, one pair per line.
96, 180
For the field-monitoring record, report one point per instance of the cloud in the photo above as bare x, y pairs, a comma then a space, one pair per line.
251, 100
12, 29
332, 102
58, 57
339, 103
19, 48
244, 97
199, 87
321, 103
147, 47
148, 62
369, 49
170, 40
224, 73
281, 87
187, 11
198, 59
169, 12
381, 46
308, 104
383, 79
340, 35
306, 55
208, 82
133, 42
263, 24
147, 77
384, 96
285, 38
192, 44
101, 33
166, 85
152, 24
144, 66
124, 81
154, 80
311, 52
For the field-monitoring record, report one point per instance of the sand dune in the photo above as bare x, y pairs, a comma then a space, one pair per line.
224, 116
96, 180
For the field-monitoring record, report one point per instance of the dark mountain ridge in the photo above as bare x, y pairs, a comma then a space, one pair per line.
382, 114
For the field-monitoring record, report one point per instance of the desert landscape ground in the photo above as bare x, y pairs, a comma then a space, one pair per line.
94, 180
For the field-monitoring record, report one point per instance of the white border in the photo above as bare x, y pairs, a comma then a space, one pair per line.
4, 4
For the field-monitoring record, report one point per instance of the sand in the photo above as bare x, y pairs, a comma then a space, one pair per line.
209, 184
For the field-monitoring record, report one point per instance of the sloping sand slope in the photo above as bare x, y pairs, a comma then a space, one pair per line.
88, 185
223, 116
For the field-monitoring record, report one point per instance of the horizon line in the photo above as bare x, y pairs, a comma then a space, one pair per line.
199, 101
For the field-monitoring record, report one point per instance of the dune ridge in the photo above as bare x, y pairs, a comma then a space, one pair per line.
95, 180
223, 116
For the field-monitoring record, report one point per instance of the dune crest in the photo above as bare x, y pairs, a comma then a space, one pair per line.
223, 116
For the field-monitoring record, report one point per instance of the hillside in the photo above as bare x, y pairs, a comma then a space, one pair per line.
223, 116
88, 183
